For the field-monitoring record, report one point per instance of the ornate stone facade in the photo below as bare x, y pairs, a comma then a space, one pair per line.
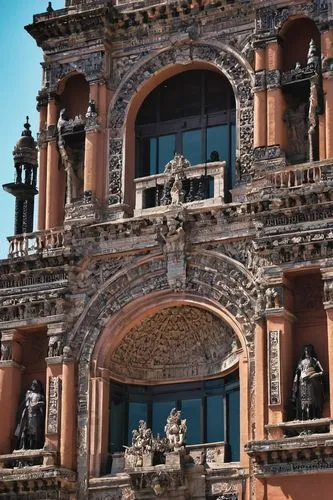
217, 290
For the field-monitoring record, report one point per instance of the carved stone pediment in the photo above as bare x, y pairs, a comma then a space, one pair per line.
176, 343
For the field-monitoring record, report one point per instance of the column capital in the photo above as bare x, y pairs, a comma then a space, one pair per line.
273, 79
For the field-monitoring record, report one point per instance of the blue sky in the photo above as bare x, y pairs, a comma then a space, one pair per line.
20, 81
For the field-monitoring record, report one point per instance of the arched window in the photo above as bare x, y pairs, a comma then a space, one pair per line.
211, 408
192, 113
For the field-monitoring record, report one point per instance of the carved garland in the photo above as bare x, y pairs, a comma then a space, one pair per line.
227, 62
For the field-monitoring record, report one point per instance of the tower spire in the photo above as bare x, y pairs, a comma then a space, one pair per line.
24, 187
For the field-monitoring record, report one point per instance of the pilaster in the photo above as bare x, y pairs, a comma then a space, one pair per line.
326, 124
42, 145
327, 275
99, 411
54, 201
279, 343
53, 386
10, 387
68, 402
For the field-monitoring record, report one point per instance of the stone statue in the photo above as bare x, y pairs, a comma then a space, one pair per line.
307, 394
175, 430
313, 116
30, 428
177, 195
142, 444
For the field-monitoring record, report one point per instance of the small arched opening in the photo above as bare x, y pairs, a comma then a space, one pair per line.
302, 88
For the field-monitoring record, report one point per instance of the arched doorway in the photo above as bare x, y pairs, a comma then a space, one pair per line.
179, 357
192, 113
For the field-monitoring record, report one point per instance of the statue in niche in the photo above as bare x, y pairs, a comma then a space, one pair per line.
307, 394
175, 430
296, 121
29, 432
313, 115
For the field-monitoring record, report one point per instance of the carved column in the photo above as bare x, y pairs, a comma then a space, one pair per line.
99, 414
10, 387
260, 98
68, 404
275, 100
42, 145
279, 324
54, 181
53, 386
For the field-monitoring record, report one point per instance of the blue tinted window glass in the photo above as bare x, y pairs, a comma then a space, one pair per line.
233, 424
191, 410
152, 155
136, 412
161, 410
192, 146
166, 150
233, 154
215, 419
117, 426
218, 140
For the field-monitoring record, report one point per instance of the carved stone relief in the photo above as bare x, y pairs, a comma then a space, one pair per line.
273, 363
176, 343
53, 413
92, 66
227, 62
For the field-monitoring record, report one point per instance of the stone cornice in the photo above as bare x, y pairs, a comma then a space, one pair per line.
90, 22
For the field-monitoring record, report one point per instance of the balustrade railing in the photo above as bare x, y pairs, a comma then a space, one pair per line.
296, 175
203, 182
22, 245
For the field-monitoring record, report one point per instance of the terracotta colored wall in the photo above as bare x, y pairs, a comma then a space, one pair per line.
296, 39
33, 358
75, 96
311, 324
306, 487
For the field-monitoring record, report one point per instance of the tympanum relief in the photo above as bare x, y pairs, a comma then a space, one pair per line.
176, 343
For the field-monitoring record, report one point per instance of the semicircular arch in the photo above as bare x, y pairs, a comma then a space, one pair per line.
140, 81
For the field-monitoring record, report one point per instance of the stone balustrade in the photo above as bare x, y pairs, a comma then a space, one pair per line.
22, 245
296, 175
194, 189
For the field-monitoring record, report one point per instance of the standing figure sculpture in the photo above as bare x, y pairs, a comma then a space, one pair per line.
30, 428
175, 430
307, 387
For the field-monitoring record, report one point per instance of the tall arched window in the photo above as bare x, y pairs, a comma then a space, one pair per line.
192, 113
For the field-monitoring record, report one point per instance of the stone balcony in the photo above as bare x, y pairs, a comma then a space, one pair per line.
195, 192
44, 242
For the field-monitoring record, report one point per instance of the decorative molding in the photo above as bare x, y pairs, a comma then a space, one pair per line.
53, 412
273, 363
234, 68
